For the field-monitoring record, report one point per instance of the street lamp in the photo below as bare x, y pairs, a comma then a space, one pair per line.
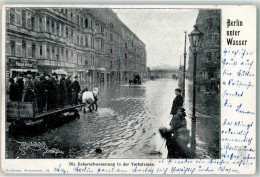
195, 38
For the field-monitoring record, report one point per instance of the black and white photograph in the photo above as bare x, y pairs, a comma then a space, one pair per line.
112, 83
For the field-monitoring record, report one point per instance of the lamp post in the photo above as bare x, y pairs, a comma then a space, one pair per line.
195, 38
184, 66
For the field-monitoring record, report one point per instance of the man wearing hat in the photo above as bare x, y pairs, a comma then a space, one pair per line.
75, 89
177, 102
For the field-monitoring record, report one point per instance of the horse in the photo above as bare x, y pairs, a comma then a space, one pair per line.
90, 98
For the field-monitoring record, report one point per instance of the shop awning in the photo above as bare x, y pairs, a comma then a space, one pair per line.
23, 70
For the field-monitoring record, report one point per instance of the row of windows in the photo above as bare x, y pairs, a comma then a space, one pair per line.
56, 53
29, 21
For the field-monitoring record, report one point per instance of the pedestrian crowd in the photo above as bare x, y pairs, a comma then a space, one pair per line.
46, 91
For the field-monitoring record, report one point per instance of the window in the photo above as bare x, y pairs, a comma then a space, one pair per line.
111, 50
102, 29
66, 12
91, 24
52, 51
78, 19
67, 55
71, 37
111, 64
72, 56
82, 21
86, 62
86, 41
67, 33
125, 55
62, 52
24, 49
92, 42
24, 18
78, 40
71, 16
40, 50
52, 27
48, 25
61, 31
81, 40
86, 23
111, 37
40, 24
12, 44
33, 51
126, 45
48, 52
12, 16
58, 54
57, 29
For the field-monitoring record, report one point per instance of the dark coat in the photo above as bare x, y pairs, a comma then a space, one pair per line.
14, 92
47, 86
39, 89
63, 92
29, 95
68, 82
20, 84
75, 87
176, 104
54, 86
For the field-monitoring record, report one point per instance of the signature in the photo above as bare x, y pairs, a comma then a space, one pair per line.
37, 146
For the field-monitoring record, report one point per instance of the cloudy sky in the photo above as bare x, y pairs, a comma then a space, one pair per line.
162, 30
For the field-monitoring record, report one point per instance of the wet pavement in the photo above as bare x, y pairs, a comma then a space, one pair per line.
125, 126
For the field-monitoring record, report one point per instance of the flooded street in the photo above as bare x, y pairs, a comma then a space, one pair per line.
126, 125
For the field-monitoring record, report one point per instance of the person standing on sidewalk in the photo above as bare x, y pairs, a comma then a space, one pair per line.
177, 102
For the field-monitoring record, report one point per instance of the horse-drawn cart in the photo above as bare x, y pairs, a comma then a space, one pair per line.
22, 116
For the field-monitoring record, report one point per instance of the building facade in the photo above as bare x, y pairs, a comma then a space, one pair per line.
91, 43
208, 58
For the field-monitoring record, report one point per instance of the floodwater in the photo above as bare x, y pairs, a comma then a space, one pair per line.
125, 125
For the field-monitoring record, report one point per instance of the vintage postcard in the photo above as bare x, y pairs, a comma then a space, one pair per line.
128, 89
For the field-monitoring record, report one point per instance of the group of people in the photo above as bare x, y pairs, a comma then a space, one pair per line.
46, 91
177, 136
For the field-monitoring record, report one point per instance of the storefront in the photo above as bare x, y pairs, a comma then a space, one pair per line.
17, 65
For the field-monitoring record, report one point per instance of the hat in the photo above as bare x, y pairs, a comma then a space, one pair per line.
54, 74
42, 78
178, 89
11, 80
29, 72
76, 77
